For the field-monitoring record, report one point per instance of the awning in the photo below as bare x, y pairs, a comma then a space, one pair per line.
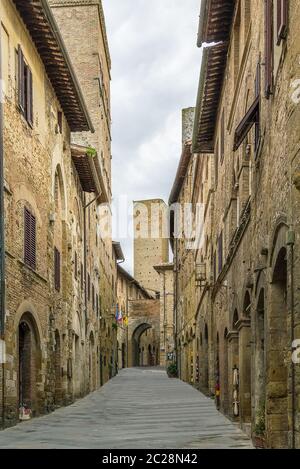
89, 172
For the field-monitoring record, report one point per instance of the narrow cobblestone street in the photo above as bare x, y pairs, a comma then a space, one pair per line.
140, 408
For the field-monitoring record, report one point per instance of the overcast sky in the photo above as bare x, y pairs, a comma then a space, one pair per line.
155, 72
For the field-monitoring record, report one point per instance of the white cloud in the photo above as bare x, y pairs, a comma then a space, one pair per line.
155, 71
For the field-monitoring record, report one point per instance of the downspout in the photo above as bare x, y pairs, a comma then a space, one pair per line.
2, 243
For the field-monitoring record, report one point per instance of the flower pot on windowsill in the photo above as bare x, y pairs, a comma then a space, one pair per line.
259, 441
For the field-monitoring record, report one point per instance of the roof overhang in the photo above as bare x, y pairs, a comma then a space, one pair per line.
181, 173
89, 172
118, 251
45, 34
209, 93
215, 21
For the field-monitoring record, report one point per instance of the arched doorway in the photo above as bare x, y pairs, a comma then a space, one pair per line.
217, 373
205, 365
245, 360
259, 367
29, 366
233, 362
92, 363
224, 374
58, 371
137, 359
277, 369
123, 355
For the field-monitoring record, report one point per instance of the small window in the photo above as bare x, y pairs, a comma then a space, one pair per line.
25, 88
57, 269
29, 239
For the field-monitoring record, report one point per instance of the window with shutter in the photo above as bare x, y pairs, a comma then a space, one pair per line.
57, 269
252, 117
257, 120
25, 88
29, 239
29, 103
282, 20
21, 80
269, 51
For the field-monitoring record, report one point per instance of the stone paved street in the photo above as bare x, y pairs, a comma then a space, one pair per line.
140, 408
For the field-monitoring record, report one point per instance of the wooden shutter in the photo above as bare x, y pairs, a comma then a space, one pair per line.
57, 269
282, 19
29, 97
257, 94
29, 239
21, 80
269, 59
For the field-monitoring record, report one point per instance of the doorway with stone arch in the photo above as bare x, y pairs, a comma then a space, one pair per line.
29, 358
137, 357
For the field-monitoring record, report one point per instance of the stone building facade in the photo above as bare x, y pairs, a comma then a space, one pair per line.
82, 25
167, 346
247, 129
151, 245
139, 329
55, 310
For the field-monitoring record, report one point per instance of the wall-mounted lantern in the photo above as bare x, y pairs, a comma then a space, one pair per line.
200, 274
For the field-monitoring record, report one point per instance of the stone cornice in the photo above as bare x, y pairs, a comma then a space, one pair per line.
69, 3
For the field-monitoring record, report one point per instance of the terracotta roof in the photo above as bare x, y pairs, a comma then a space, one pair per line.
216, 17
45, 34
215, 20
89, 172
209, 92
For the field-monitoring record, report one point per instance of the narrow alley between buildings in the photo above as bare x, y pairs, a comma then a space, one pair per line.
140, 408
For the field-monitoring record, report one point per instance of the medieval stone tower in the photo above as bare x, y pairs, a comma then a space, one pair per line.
150, 241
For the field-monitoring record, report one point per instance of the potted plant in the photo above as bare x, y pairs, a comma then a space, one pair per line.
258, 438
172, 370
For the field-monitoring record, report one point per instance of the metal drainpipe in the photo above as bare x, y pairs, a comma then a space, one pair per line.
2, 241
